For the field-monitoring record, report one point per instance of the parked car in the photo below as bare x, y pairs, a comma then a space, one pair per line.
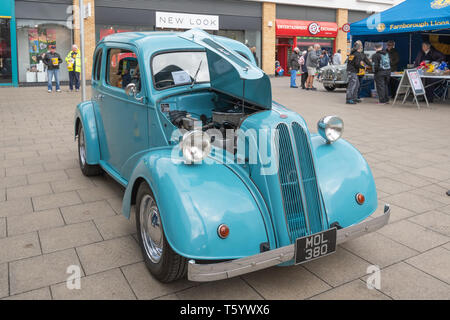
186, 138
334, 76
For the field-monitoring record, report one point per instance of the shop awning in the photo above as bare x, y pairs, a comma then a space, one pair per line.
408, 16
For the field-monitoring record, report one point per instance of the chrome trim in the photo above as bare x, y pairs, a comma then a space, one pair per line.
233, 268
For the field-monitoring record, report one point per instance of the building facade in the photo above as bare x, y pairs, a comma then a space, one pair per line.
271, 28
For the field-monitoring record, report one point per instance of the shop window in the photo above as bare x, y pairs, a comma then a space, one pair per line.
122, 68
33, 39
5, 51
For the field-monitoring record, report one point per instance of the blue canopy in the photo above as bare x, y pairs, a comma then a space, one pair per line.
408, 16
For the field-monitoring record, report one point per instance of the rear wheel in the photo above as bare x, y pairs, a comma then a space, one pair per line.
329, 88
87, 169
162, 262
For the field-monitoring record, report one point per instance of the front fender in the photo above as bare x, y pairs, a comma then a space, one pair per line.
194, 200
85, 114
342, 173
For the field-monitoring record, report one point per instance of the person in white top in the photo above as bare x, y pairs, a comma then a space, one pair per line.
337, 59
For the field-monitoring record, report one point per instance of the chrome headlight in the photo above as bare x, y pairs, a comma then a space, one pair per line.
196, 146
331, 128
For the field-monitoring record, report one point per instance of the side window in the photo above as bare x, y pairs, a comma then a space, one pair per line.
122, 69
97, 65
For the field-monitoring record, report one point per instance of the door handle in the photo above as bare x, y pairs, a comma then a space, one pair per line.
100, 97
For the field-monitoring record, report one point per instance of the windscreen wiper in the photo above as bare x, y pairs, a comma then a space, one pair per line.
196, 74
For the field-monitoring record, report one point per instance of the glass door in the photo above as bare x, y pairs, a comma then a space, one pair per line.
5, 51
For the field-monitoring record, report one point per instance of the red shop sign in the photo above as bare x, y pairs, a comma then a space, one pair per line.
306, 28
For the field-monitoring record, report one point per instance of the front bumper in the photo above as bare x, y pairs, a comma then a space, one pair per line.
233, 268
333, 82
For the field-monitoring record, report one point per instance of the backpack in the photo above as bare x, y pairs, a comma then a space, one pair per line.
385, 62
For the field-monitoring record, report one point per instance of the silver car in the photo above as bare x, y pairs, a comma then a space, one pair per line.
333, 76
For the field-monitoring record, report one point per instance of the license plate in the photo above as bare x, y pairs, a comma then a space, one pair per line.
315, 246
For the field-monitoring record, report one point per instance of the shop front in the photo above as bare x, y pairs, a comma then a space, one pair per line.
8, 59
238, 20
303, 34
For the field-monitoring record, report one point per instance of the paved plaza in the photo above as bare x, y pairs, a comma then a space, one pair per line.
51, 216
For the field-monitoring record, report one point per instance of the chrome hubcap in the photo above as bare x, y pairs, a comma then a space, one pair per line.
151, 228
82, 147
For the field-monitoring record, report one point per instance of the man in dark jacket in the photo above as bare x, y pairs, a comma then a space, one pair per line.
355, 62
52, 60
394, 59
429, 54
382, 70
294, 66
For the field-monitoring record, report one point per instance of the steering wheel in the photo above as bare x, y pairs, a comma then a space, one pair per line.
162, 81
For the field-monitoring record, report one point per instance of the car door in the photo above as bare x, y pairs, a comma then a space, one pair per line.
123, 125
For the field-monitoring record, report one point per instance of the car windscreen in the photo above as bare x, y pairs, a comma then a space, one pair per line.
179, 68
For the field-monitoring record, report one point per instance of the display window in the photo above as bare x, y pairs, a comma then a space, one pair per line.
34, 37
5, 51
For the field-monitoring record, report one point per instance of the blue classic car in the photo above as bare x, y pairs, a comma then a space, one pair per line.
224, 180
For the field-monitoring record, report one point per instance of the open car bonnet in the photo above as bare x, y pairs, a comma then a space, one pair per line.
231, 73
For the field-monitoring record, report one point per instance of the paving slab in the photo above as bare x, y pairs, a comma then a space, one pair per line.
286, 283
109, 254
354, 290
4, 286
435, 262
69, 236
230, 289
19, 247
146, 287
39, 294
56, 200
404, 282
108, 285
414, 202
2, 228
41, 271
34, 221
115, 226
28, 191
434, 220
87, 211
15, 207
413, 235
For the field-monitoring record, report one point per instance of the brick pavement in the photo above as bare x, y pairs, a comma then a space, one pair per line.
51, 216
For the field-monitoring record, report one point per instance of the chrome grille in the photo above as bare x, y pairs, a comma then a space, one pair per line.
289, 182
309, 179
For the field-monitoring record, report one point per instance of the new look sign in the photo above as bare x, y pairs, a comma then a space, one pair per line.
173, 20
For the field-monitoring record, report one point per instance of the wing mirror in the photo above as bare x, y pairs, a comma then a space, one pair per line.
131, 91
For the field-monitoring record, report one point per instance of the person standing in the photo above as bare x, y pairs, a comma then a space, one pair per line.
253, 50
355, 60
312, 62
303, 68
394, 59
73, 61
52, 60
337, 58
382, 70
294, 66
429, 54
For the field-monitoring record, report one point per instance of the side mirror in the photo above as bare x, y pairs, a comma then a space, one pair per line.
131, 90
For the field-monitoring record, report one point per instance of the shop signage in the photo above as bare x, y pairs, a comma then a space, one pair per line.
346, 27
174, 20
306, 28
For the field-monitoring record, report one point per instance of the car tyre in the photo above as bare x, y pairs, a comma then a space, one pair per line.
329, 88
162, 262
87, 169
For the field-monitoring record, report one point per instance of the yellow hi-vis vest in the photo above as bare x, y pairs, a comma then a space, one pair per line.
77, 60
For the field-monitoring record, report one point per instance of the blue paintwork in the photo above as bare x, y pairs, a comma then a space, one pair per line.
132, 141
7, 9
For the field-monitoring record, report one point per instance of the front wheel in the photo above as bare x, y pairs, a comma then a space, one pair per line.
329, 88
162, 262
87, 169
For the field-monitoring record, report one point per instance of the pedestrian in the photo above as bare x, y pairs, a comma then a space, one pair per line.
294, 66
429, 55
312, 62
303, 68
354, 64
323, 62
337, 58
253, 50
73, 61
382, 71
394, 59
52, 60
